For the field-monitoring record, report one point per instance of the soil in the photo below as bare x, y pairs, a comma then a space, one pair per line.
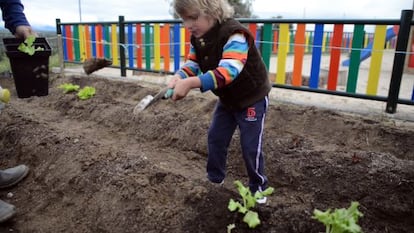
97, 167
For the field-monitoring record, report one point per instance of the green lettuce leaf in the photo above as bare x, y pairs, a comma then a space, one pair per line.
68, 87
86, 93
28, 47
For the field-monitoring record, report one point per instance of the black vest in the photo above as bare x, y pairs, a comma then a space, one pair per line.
252, 84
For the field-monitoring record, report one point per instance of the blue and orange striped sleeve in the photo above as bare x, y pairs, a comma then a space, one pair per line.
233, 59
190, 67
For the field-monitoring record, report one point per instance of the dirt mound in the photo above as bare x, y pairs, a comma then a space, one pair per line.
96, 167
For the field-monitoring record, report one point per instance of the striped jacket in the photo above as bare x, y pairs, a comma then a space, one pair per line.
237, 89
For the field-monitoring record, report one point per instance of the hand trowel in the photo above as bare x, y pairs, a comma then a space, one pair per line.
165, 93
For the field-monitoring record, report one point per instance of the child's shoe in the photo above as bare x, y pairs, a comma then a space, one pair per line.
261, 199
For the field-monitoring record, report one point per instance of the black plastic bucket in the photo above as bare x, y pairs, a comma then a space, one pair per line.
30, 72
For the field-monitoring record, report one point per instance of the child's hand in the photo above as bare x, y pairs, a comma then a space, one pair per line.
183, 86
181, 89
173, 81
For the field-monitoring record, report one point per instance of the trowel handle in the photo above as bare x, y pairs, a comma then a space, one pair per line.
169, 93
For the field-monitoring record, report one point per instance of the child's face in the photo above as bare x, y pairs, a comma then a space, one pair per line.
198, 23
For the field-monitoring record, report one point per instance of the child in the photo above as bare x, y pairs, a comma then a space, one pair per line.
223, 58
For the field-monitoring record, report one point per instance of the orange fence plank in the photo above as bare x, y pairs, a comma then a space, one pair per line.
139, 45
165, 46
187, 42
69, 41
88, 49
253, 29
300, 44
335, 57
99, 44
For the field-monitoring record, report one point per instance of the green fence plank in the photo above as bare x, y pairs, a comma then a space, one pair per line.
267, 43
76, 43
357, 43
147, 46
107, 38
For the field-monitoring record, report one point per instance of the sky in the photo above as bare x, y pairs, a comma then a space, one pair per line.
41, 13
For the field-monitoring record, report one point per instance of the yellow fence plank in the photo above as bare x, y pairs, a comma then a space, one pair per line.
82, 42
282, 53
376, 59
157, 47
115, 49
182, 41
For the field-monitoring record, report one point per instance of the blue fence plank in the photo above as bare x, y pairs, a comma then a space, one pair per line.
177, 49
130, 47
65, 45
316, 56
93, 38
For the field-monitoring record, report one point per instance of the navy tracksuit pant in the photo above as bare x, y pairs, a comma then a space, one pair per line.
251, 123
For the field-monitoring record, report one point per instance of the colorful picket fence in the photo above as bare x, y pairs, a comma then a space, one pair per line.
163, 41
161, 46
157, 43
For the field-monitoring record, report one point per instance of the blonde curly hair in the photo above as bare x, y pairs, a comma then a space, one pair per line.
218, 9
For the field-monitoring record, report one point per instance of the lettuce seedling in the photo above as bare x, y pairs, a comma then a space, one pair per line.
249, 201
86, 93
340, 220
28, 47
68, 87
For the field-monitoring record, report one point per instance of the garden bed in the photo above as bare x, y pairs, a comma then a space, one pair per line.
96, 167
